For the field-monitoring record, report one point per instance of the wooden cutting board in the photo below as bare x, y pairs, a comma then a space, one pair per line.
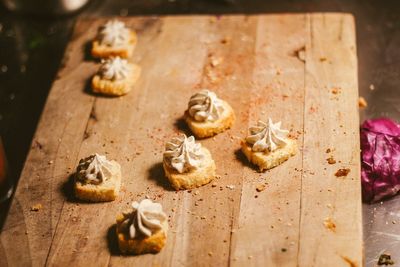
299, 69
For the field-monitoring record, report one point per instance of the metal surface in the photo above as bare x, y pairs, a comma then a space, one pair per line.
32, 48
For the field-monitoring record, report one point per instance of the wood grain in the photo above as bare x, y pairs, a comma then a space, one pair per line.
300, 69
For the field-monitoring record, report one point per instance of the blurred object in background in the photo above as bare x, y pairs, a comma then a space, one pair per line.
6, 185
45, 7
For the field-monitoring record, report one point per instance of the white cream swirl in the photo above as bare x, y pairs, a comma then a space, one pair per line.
267, 137
145, 219
114, 33
94, 169
205, 106
183, 154
114, 69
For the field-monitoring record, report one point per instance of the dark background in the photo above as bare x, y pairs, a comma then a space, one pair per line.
31, 49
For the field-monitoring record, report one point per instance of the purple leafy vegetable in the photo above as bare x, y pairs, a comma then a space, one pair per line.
380, 156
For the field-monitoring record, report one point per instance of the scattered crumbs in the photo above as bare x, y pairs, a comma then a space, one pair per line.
196, 192
335, 90
349, 261
342, 172
210, 253
393, 222
217, 176
250, 257
362, 103
329, 224
203, 217
231, 187
322, 59
36, 207
328, 150
225, 240
331, 160
283, 249
385, 259
260, 187
214, 185
51, 162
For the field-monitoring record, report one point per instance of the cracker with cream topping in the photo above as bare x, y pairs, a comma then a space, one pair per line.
107, 82
267, 145
187, 164
148, 236
97, 179
207, 115
114, 39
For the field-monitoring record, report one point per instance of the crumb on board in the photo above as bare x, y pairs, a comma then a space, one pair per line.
231, 187
331, 160
225, 40
342, 172
260, 187
322, 59
362, 103
335, 90
215, 61
349, 261
329, 224
36, 207
385, 259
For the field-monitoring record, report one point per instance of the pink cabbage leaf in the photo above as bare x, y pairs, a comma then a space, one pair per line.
380, 159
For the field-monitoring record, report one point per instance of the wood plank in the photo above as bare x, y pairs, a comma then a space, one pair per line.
331, 111
52, 157
262, 75
267, 227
